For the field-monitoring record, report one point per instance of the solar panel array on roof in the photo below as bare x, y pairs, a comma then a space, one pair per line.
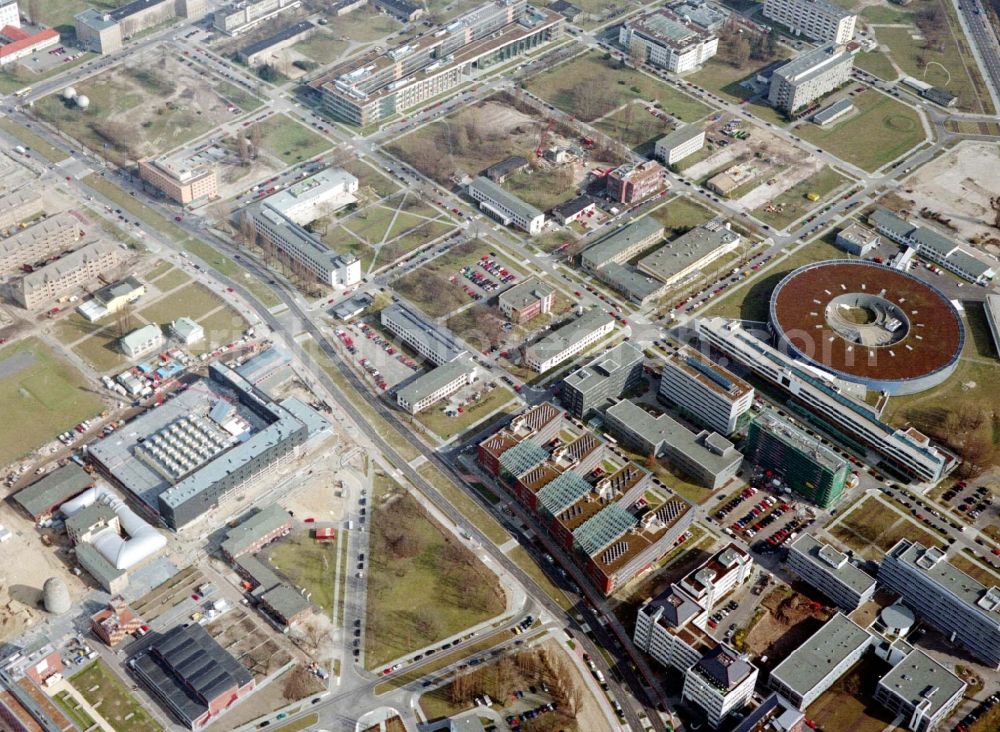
563, 492
522, 457
600, 530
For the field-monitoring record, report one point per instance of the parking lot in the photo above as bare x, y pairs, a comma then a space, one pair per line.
384, 363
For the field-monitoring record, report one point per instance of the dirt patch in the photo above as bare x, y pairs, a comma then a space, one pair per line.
789, 617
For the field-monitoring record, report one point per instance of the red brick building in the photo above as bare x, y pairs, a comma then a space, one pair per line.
630, 182
115, 621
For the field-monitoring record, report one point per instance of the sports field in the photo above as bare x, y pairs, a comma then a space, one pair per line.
41, 397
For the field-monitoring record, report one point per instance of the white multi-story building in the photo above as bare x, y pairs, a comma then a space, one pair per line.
991, 306
830, 572
720, 682
679, 144
316, 196
10, 14
809, 76
573, 338
819, 20
436, 384
142, 340
921, 690
241, 16
944, 596
663, 39
907, 449
428, 339
505, 207
710, 394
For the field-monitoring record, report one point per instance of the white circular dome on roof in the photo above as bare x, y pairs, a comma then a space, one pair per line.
897, 618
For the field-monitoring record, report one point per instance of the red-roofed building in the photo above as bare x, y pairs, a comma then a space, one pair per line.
327, 534
18, 43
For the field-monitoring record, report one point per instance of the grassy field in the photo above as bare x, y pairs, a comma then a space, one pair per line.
172, 280
418, 236
543, 188
880, 131
877, 63
422, 585
793, 204
308, 564
72, 709
102, 689
871, 528
886, 15
364, 25
681, 214
590, 87
42, 398
724, 79
976, 570
322, 47
289, 141
447, 427
37, 145
468, 507
634, 126
299, 724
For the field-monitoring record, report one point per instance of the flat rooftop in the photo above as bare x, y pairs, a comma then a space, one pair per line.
829, 560
494, 192
809, 664
709, 374
686, 250
588, 377
620, 240
918, 678
570, 334
792, 436
435, 379
668, 29
812, 63
439, 341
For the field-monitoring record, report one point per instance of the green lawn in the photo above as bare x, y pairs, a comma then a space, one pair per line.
885, 15
72, 709
880, 131
159, 268
103, 690
343, 241
240, 97
321, 47
793, 204
363, 25
381, 184
634, 126
724, 79
542, 188
447, 427
589, 87
194, 301
469, 508
681, 214
877, 63
289, 141
871, 528
417, 237
172, 279
308, 564
42, 398
422, 585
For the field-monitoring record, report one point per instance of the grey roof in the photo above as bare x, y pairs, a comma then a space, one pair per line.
570, 334
886, 219
680, 136
723, 667
264, 364
262, 523
812, 63
919, 677
833, 110
587, 378
265, 577
491, 190
573, 206
89, 516
961, 259
687, 249
97, 565
283, 35
799, 440
809, 664
939, 95
139, 336
507, 166
95, 19
427, 335
930, 239
304, 243
774, 714
523, 457
58, 486
188, 667
313, 420
563, 491
828, 559
611, 246
525, 293
466, 724
603, 528
285, 601
678, 607
121, 288
631, 282
827, 8
435, 379
857, 234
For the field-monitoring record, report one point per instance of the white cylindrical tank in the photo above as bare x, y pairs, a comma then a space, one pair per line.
83, 101
55, 596
69, 93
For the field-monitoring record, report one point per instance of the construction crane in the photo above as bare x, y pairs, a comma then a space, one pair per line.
995, 203
543, 137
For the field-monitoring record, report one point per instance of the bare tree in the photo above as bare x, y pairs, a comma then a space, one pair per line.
256, 134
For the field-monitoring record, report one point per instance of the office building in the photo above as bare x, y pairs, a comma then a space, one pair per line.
809, 76
945, 597
774, 714
607, 377
505, 207
429, 340
680, 143
177, 181
857, 240
991, 306
379, 84
663, 39
818, 20
817, 664
526, 300
803, 463
240, 17
721, 573
575, 337
317, 196
721, 682
193, 676
19, 206
622, 244
831, 572
18, 44
538, 424
104, 31
252, 534
932, 246
827, 404
267, 49
690, 253
36, 243
440, 382
9, 13
633, 182
707, 457
706, 393
141, 341
921, 690
63, 276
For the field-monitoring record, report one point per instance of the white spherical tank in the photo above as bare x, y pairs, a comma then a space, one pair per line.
55, 596
83, 101
69, 93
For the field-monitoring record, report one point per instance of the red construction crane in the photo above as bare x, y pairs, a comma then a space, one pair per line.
545, 133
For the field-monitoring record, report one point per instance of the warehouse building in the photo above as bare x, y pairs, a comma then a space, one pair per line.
63, 276
254, 533
679, 144
41, 499
607, 377
817, 664
266, 49
832, 112
526, 300
822, 402
622, 244
665, 40
818, 20
945, 597
429, 340
803, 463
505, 207
242, 16
720, 683
573, 338
179, 182
633, 182
706, 393
831, 572
708, 458
809, 76
499, 172
439, 383
36, 243
691, 252
379, 84
194, 677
